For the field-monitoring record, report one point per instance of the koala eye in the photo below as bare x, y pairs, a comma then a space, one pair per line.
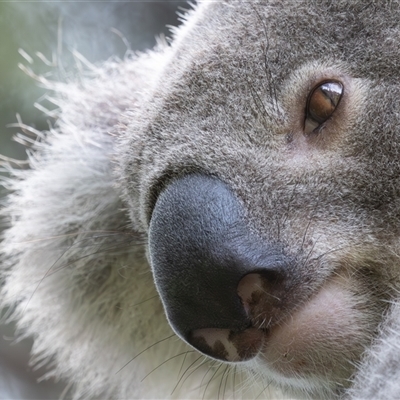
321, 104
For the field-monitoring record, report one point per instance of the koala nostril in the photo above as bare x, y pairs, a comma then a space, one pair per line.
249, 289
227, 345
259, 294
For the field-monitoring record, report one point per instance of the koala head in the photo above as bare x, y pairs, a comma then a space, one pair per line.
256, 163
267, 183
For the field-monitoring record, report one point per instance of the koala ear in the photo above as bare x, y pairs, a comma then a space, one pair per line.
73, 264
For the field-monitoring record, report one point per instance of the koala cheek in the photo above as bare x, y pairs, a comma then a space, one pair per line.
313, 340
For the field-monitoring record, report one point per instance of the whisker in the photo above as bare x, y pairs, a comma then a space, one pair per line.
169, 359
211, 379
265, 388
222, 380
234, 382
187, 369
226, 381
147, 348
208, 370
66, 235
183, 363
144, 301
42, 279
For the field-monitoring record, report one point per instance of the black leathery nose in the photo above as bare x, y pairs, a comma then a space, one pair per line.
200, 248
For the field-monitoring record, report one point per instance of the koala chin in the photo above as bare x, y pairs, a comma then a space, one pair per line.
219, 217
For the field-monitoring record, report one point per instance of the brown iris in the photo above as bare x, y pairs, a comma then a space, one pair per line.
321, 104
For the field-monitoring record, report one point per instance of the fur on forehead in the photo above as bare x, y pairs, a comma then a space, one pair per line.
229, 81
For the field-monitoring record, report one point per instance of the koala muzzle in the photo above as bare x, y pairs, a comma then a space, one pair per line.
215, 277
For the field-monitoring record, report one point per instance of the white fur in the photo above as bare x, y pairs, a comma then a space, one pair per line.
65, 214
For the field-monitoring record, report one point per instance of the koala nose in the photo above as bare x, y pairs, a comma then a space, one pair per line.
207, 264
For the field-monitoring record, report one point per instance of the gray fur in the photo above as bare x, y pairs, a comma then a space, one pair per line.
226, 98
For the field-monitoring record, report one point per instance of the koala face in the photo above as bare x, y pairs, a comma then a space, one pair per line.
265, 185
251, 171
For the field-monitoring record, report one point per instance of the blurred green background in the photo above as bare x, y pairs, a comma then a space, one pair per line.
55, 29
97, 30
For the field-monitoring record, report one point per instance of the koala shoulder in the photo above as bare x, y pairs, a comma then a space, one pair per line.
379, 375
68, 253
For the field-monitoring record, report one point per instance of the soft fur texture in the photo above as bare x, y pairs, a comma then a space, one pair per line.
226, 99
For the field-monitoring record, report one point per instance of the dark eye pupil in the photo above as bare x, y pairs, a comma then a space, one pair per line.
321, 104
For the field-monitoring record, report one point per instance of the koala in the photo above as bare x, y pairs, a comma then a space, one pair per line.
219, 217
